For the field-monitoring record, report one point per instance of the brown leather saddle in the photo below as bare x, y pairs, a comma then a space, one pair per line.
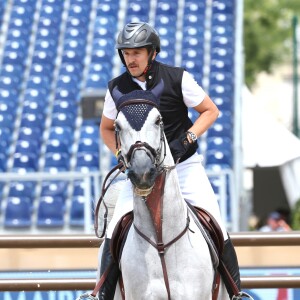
208, 222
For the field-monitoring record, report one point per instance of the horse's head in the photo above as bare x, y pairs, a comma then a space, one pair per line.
139, 131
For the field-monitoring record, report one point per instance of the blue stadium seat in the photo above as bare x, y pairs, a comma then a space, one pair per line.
76, 33
41, 56
51, 12
107, 8
28, 146
17, 212
57, 161
47, 33
77, 211
88, 145
220, 129
38, 82
223, 7
5, 135
219, 143
36, 95
64, 134
71, 69
221, 78
68, 95
8, 108
68, 82
221, 65
10, 82
28, 133
195, 7
101, 55
65, 107
63, 120
89, 131
138, 8
166, 8
220, 158
87, 162
34, 107
220, 19
55, 188
9, 96
50, 213
221, 90
13, 71
23, 163
96, 81
22, 189
80, 11
6, 120
3, 162
32, 120
57, 146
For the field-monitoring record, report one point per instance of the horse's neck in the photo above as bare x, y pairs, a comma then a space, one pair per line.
174, 211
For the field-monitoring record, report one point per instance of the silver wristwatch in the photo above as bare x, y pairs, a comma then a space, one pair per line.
192, 136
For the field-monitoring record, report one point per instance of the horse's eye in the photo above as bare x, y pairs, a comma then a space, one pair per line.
158, 121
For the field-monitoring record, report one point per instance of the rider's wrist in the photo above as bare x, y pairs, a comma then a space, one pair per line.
191, 136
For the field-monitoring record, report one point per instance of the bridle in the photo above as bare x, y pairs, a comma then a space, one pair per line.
155, 154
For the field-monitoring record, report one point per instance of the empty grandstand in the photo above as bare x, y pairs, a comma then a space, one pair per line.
54, 54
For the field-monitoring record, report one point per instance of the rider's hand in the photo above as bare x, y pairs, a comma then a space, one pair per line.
120, 159
179, 147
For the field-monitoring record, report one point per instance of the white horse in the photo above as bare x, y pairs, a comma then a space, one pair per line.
165, 255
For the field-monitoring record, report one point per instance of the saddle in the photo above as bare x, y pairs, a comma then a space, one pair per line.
209, 224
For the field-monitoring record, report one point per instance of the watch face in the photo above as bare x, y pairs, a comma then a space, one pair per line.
192, 136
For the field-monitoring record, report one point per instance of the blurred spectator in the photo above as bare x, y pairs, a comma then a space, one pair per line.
275, 222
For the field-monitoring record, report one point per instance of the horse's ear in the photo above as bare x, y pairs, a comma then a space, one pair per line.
158, 89
116, 94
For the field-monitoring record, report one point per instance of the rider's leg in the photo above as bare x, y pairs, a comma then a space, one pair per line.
197, 190
107, 291
123, 205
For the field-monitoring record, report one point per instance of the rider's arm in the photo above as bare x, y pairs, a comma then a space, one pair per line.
107, 132
208, 114
195, 97
107, 129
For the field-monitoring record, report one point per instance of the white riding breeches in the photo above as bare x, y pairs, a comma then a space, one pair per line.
195, 188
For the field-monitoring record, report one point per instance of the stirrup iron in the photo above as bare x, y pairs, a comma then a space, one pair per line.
87, 296
241, 296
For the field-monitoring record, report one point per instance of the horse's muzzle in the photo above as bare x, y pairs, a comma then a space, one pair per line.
142, 171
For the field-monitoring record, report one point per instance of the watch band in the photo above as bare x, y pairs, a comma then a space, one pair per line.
192, 136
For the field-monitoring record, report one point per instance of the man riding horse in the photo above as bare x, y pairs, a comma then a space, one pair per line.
138, 44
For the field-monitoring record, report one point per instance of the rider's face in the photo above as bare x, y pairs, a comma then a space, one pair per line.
136, 61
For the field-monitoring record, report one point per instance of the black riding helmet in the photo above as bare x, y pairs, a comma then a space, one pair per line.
138, 35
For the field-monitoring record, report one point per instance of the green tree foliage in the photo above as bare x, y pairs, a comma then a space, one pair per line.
267, 35
296, 216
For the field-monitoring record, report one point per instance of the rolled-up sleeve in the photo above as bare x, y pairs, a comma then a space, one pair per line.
193, 93
109, 108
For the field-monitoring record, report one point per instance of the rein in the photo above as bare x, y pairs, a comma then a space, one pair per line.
154, 202
120, 167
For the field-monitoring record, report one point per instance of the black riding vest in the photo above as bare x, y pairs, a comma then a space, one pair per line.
172, 108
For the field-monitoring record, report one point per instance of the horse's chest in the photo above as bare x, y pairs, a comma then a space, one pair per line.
187, 262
